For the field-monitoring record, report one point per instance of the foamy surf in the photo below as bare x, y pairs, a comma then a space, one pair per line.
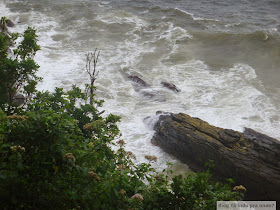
156, 48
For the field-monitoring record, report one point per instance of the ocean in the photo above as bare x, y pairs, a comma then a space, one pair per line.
224, 56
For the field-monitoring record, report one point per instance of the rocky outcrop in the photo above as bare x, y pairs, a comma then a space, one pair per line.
138, 80
170, 86
252, 159
10, 23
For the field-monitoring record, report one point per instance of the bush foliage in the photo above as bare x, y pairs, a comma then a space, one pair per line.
17, 67
55, 154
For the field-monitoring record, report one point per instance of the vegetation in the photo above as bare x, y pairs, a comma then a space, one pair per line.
17, 67
55, 154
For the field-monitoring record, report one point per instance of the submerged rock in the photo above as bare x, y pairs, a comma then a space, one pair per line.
252, 159
154, 95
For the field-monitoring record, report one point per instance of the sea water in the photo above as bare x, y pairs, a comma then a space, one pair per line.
223, 56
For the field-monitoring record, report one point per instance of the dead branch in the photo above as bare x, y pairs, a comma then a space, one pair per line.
92, 58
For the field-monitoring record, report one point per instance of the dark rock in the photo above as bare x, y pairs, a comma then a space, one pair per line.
10, 23
162, 113
138, 80
252, 159
170, 86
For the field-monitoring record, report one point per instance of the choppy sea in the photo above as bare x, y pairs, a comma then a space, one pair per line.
223, 55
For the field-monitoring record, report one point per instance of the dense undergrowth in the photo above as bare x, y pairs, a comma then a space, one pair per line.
55, 149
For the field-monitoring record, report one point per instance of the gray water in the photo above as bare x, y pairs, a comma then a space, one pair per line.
224, 56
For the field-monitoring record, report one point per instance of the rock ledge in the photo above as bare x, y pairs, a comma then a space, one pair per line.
250, 158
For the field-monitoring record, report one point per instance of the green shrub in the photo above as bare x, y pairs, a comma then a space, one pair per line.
17, 67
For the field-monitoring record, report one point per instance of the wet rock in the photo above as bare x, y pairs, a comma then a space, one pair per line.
252, 159
138, 80
10, 23
152, 94
149, 94
162, 113
170, 86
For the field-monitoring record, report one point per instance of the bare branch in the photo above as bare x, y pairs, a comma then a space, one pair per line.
92, 58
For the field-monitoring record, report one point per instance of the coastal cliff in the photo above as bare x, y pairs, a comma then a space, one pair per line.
250, 158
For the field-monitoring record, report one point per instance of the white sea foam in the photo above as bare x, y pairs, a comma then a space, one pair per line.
232, 97
4, 11
194, 17
174, 33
